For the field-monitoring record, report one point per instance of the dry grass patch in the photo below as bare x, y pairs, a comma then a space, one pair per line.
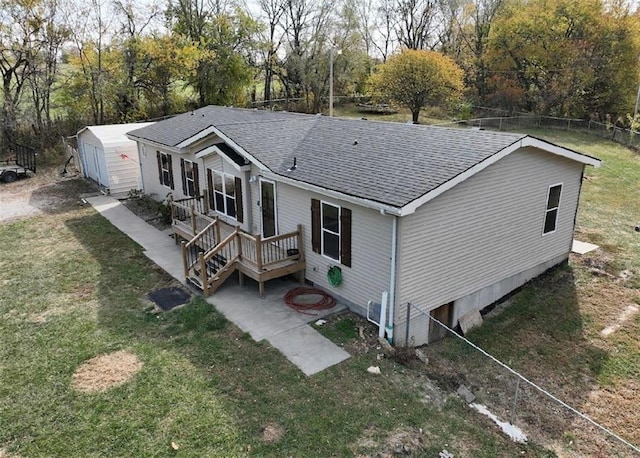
272, 433
401, 441
106, 371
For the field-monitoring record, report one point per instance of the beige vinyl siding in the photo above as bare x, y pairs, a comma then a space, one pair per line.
369, 275
485, 229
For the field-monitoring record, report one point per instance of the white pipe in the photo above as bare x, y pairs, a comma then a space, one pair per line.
383, 314
392, 282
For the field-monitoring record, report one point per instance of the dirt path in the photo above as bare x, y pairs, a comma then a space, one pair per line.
43, 193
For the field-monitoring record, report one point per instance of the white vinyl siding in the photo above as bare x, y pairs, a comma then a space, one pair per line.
485, 229
369, 275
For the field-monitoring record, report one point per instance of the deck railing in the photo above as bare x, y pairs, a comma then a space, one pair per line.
224, 255
202, 242
263, 253
187, 214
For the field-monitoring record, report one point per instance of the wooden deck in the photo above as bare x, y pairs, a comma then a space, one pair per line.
213, 250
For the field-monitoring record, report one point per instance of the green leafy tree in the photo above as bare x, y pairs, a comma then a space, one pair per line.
416, 78
564, 58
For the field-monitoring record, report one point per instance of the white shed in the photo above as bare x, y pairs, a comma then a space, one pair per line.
109, 158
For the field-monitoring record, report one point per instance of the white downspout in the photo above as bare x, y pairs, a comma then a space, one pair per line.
392, 281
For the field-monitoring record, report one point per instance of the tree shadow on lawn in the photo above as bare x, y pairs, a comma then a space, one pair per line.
541, 333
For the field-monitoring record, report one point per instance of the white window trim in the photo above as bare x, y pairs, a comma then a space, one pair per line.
546, 210
275, 205
187, 179
216, 174
322, 231
163, 154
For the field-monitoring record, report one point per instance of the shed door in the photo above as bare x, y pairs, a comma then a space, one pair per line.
101, 165
443, 314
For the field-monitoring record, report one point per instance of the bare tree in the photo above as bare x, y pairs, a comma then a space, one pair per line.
416, 23
273, 36
19, 27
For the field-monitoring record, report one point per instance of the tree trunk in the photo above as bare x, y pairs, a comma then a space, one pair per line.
415, 113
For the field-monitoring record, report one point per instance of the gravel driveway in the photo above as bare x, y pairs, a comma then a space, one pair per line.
43, 193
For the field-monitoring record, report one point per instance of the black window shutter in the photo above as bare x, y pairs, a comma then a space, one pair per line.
316, 245
212, 204
170, 165
239, 209
196, 179
345, 236
159, 166
184, 177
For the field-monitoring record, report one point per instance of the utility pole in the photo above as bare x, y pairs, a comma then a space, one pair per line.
331, 51
635, 110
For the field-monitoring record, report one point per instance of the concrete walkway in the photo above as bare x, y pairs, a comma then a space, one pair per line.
268, 318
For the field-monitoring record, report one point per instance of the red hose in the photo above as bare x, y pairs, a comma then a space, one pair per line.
325, 303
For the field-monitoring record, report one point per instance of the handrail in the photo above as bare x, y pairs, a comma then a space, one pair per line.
215, 250
201, 234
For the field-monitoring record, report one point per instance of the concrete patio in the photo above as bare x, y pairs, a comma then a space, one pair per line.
264, 319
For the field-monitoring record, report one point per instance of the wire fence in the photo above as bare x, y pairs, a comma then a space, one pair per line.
517, 400
623, 136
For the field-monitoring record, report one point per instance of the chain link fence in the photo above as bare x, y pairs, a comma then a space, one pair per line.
623, 136
540, 409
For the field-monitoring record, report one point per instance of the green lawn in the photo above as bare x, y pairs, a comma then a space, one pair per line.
73, 288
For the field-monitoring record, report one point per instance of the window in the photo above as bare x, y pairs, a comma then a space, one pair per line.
551, 213
190, 181
225, 194
331, 231
165, 171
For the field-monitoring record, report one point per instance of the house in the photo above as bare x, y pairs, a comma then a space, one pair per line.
450, 219
109, 158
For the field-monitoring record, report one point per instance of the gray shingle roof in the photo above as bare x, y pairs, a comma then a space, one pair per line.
391, 163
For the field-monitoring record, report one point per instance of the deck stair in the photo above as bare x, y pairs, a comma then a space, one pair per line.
209, 260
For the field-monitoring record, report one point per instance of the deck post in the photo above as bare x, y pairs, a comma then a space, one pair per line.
193, 219
299, 242
259, 252
204, 278
171, 207
239, 239
185, 264
240, 278
261, 288
218, 238
205, 202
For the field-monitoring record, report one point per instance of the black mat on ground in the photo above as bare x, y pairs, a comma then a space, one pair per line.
168, 298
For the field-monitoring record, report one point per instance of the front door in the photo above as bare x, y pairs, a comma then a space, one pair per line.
268, 206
